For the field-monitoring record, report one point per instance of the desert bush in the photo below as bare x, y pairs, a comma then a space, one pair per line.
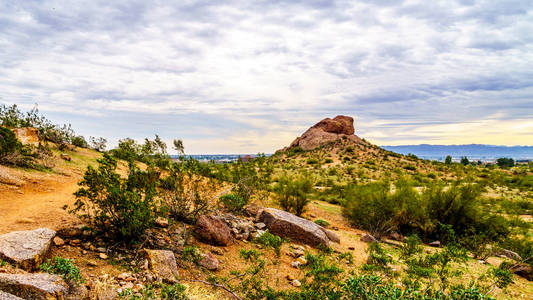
232, 202
293, 192
63, 267
119, 207
184, 194
505, 162
79, 141
98, 144
13, 153
174, 292
322, 223
270, 240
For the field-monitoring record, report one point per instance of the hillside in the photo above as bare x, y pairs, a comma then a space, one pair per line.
239, 246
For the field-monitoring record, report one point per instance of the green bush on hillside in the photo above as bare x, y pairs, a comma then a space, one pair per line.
122, 208
293, 193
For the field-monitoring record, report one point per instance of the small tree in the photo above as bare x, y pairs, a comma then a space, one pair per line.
505, 162
464, 160
448, 160
98, 144
293, 193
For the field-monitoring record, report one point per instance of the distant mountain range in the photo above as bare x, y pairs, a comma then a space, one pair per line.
472, 151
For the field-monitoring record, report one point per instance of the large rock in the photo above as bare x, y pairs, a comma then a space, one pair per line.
213, 231
290, 226
523, 270
38, 286
6, 296
26, 249
163, 264
27, 135
326, 131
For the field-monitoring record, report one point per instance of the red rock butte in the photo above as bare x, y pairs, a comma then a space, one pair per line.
326, 131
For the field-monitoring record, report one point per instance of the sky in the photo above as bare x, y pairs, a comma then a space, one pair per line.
250, 76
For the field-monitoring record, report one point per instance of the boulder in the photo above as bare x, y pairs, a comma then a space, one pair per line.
70, 232
290, 226
213, 231
27, 135
209, 262
367, 238
523, 270
435, 244
38, 286
326, 131
65, 157
163, 264
331, 235
509, 254
26, 249
6, 296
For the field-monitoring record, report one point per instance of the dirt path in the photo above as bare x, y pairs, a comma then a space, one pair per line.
38, 203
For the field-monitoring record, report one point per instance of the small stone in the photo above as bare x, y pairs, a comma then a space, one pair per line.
216, 251
296, 283
351, 248
103, 256
58, 241
298, 253
435, 244
302, 261
295, 264
128, 285
367, 238
123, 276
92, 263
290, 277
161, 222
260, 225
75, 242
101, 249
209, 262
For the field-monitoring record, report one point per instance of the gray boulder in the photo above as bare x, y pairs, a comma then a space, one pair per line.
163, 264
290, 226
38, 286
26, 249
6, 296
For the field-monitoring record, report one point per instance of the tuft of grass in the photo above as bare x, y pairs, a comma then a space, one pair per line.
65, 268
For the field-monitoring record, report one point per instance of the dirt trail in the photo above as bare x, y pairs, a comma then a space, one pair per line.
38, 203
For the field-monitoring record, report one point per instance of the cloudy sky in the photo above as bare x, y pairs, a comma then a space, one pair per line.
249, 76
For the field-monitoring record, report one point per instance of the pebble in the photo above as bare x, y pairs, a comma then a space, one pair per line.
296, 283
295, 264
103, 256
58, 241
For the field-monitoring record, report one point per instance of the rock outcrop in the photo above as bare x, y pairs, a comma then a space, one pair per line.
38, 286
163, 264
27, 135
523, 270
26, 249
6, 296
213, 231
326, 131
290, 226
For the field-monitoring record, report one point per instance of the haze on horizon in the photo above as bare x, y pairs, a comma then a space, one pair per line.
248, 77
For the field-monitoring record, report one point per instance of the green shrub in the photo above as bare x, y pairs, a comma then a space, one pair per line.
233, 202
328, 160
79, 141
270, 240
312, 161
322, 223
120, 207
63, 267
293, 193
192, 254
174, 292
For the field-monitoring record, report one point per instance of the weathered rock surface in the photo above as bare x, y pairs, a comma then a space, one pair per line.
26, 249
331, 235
163, 264
213, 231
209, 262
27, 135
290, 226
38, 286
326, 131
367, 238
509, 254
523, 270
6, 296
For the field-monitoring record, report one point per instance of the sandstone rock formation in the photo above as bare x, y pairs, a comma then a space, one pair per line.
27, 135
326, 131
6, 296
38, 286
26, 249
213, 231
163, 264
290, 226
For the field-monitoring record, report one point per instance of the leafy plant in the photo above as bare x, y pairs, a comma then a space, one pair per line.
63, 267
293, 193
233, 202
268, 239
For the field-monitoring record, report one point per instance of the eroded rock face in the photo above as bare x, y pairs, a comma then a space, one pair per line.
38, 286
326, 131
523, 270
290, 226
163, 264
6, 296
26, 249
213, 231
27, 135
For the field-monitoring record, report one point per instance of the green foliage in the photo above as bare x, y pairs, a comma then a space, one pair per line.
448, 160
505, 162
192, 254
233, 202
119, 207
293, 192
378, 256
268, 239
464, 160
412, 246
63, 267
79, 141
174, 292
322, 223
